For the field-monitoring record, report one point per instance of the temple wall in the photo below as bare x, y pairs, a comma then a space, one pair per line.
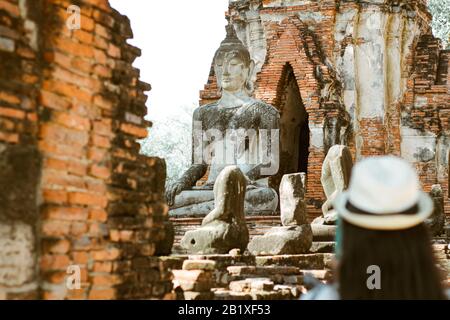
425, 115
75, 192
368, 66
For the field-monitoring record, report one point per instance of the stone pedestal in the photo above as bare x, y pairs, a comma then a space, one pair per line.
283, 240
198, 203
295, 236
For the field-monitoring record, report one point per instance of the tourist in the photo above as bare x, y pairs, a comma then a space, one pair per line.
383, 246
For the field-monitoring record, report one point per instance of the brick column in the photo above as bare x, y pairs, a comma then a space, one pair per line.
76, 189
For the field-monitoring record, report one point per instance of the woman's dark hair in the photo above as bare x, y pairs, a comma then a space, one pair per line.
405, 257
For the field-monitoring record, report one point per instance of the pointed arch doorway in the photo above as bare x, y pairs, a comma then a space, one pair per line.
294, 127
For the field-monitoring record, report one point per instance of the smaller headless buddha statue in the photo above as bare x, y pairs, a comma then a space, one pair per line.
336, 173
224, 228
236, 111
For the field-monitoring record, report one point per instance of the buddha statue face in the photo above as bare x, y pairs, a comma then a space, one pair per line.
232, 64
232, 71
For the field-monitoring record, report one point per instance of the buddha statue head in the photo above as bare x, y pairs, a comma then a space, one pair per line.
233, 65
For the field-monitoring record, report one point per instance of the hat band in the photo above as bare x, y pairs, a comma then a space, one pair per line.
354, 209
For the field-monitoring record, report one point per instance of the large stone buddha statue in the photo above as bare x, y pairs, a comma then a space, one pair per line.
236, 130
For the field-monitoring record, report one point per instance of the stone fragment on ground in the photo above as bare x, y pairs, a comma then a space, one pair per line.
323, 232
257, 289
192, 295
323, 247
283, 240
252, 284
209, 265
192, 275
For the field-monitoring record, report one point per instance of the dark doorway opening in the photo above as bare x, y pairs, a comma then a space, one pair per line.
294, 128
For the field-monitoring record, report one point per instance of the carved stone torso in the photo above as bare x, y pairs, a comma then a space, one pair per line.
253, 114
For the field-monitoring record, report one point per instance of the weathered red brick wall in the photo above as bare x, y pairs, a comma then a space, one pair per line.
20, 159
427, 110
77, 100
290, 43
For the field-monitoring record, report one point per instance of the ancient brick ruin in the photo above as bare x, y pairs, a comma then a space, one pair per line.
369, 75
74, 189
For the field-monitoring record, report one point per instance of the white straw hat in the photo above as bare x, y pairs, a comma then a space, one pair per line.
384, 188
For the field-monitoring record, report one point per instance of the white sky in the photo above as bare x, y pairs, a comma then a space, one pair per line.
178, 39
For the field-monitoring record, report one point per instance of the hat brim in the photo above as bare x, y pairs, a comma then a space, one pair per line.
385, 222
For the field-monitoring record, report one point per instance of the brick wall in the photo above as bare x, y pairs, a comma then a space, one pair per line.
73, 104
427, 110
20, 159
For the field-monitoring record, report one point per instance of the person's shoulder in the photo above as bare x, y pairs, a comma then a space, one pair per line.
322, 292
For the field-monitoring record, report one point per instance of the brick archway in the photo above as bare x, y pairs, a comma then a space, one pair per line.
294, 135
292, 48
288, 46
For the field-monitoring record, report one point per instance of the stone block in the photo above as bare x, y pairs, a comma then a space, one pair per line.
302, 261
292, 196
199, 265
263, 284
283, 240
198, 286
323, 247
193, 295
240, 286
192, 275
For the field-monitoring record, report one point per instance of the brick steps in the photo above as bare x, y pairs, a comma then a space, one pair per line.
255, 295
246, 277
315, 261
242, 277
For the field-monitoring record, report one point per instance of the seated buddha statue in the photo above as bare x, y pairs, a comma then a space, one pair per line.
236, 130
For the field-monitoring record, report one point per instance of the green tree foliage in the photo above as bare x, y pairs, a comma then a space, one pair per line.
170, 138
440, 9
